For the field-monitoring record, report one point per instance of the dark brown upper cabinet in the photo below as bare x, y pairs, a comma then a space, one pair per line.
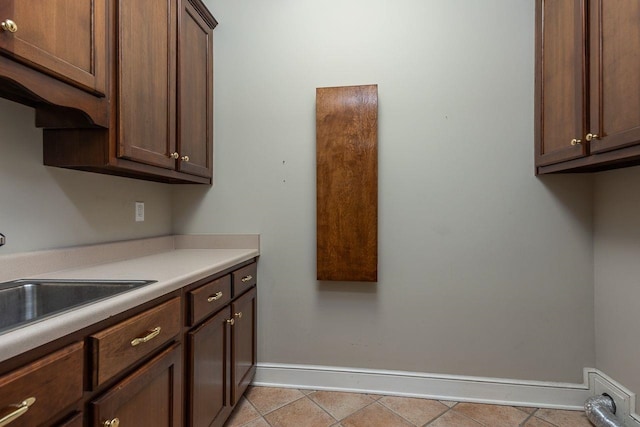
53, 56
161, 122
587, 85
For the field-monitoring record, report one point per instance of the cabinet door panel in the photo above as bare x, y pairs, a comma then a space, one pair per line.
150, 396
196, 93
615, 67
64, 38
147, 81
243, 353
560, 74
208, 359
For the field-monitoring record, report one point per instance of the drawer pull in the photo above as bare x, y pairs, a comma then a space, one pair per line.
246, 278
238, 315
231, 321
215, 297
15, 411
111, 423
152, 334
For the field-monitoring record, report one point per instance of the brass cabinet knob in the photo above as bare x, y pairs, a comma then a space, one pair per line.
111, 423
576, 141
9, 25
184, 158
238, 315
591, 136
174, 155
231, 321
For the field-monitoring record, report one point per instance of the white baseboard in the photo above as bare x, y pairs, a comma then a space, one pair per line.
540, 394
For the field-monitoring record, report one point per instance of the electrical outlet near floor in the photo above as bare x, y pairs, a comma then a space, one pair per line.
139, 211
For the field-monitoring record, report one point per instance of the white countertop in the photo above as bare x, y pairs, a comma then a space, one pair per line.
172, 268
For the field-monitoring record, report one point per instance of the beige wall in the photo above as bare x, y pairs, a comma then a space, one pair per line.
43, 207
484, 269
617, 275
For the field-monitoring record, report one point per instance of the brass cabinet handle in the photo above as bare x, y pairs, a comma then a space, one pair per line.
591, 136
151, 335
246, 278
111, 423
231, 321
575, 141
10, 413
9, 25
174, 155
238, 315
215, 297
184, 158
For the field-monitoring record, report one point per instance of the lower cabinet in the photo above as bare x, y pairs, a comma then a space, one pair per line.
221, 356
184, 360
150, 396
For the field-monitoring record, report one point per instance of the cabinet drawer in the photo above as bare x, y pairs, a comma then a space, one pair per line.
244, 278
121, 345
55, 381
207, 299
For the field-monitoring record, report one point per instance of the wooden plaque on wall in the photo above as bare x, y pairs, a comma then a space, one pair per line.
347, 183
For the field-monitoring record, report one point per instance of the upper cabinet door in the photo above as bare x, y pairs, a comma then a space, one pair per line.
63, 38
147, 81
196, 91
561, 79
615, 73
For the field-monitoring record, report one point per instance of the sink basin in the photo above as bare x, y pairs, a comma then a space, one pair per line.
24, 301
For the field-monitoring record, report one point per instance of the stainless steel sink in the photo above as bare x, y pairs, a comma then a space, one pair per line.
24, 301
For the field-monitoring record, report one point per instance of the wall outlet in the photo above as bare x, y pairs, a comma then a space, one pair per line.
139, 211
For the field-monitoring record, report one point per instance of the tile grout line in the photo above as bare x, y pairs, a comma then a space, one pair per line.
449, 409
411, 422
275, 409
524, 423
322, 408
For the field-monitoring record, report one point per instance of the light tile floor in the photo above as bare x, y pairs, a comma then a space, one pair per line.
284, 407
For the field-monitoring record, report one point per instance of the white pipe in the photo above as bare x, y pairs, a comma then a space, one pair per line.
600, 411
